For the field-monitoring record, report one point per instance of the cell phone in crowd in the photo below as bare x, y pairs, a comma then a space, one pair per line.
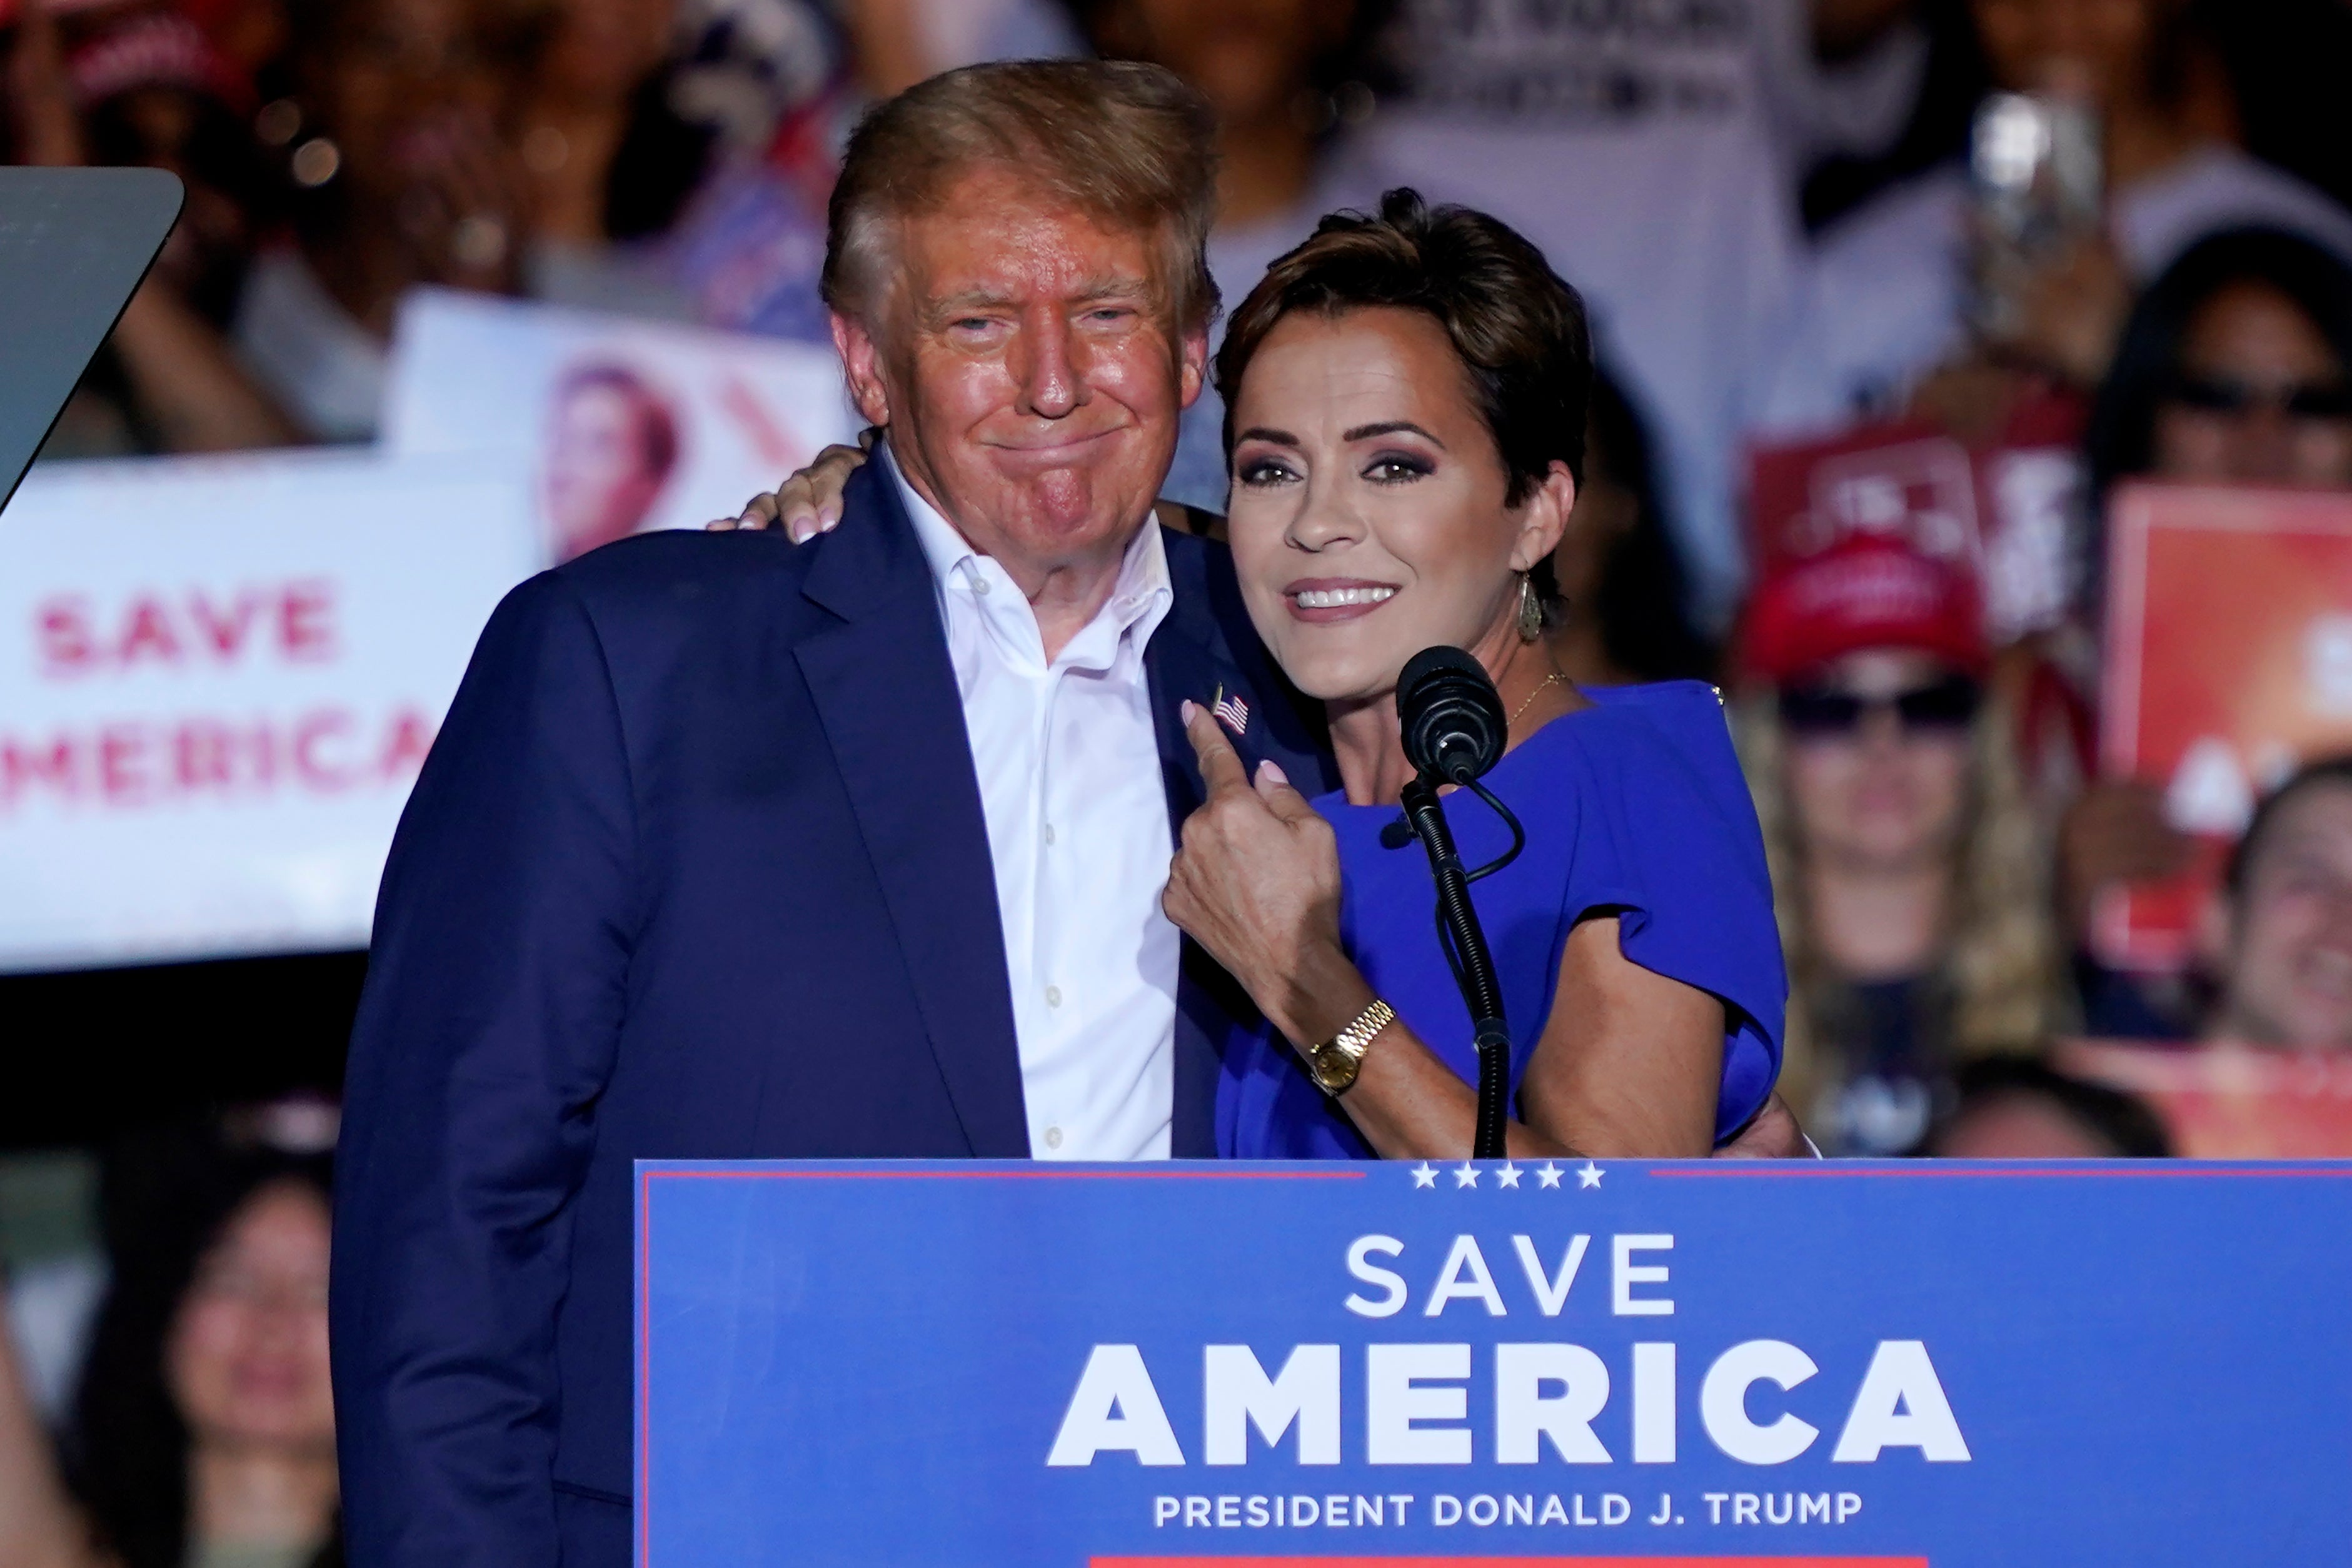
2037, 174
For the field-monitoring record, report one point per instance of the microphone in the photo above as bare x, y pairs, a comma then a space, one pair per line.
1455, 729
1454, 726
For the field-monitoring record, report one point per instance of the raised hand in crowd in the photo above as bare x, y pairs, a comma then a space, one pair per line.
40, 1526
2114, 833
45, 129
468, 204
2071, 309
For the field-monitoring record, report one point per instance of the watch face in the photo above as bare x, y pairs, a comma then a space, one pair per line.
1334, 1070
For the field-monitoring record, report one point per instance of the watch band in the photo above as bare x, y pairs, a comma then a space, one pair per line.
1337, 1062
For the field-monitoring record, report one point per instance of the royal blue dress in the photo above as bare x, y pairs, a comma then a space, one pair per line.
1634, 806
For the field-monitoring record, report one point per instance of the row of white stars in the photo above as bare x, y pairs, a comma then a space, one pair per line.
1507, 1174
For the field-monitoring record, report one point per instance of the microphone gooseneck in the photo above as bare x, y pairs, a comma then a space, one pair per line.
1455, 729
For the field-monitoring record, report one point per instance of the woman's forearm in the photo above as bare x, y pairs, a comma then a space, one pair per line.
1407, 1103
194, 392
39, 1527
1409, 1106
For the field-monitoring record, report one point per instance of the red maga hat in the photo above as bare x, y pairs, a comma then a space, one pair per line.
1863, 592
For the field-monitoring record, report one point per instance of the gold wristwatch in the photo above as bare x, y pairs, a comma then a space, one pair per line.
1335, 1062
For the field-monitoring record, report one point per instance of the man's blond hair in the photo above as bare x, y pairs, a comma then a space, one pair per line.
1128, 146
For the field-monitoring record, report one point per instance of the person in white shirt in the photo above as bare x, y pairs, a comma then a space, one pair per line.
1068, 765
1654, 153
1886, 301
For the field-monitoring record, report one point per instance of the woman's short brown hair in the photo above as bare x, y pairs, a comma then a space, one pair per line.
1517, 327
1126, 143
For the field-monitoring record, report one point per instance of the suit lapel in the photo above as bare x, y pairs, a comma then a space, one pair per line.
886, 692
1192, 657
1182, 663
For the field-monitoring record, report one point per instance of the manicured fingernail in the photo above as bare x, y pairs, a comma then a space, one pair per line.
1270, 769
1185, 710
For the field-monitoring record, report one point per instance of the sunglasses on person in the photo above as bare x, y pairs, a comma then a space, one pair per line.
1821, 712
2296, 400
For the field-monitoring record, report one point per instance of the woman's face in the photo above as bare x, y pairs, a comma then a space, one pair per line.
2287, 951
1368, 517
2262, 398
2101, 46
601, 479
246, 1358
1886, 793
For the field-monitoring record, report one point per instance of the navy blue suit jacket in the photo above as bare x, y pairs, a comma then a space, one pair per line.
697, 870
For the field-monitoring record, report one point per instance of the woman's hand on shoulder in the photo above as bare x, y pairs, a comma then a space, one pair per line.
809, 503
1256, 882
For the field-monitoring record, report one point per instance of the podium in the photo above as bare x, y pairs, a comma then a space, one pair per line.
1724, 1362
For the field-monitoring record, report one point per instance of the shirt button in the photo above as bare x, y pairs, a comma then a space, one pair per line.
980, 584
1049, 836
1053, 996
1052, 1137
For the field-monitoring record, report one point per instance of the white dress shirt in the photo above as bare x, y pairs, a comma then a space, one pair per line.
1077, 825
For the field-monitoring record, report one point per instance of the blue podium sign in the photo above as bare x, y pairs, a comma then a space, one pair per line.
1972, 1366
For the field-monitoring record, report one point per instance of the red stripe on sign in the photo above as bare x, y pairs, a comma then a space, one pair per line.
1508, 1563
1145, 1174
1937, 1171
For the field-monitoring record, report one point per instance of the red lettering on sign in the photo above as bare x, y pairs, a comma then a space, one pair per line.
63, 633
319, 771
294, 621
306, 620
148, 636
404, 747
200, 754
23, 765
122, 764
225, 633
210, 754
131, 764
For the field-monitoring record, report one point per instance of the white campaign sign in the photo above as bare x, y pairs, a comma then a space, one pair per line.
621, 425
218, 680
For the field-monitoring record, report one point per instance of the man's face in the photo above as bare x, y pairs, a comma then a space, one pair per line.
1025, 364
2290, 932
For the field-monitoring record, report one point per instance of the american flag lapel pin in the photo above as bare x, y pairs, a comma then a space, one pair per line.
1231, 712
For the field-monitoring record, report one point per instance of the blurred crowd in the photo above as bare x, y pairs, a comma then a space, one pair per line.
2118, 225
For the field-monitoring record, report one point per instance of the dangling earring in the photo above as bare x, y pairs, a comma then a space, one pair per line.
1531, 616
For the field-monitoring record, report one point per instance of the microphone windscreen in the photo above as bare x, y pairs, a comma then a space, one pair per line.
1454, 726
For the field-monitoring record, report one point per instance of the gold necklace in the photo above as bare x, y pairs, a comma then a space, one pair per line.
1555, 675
